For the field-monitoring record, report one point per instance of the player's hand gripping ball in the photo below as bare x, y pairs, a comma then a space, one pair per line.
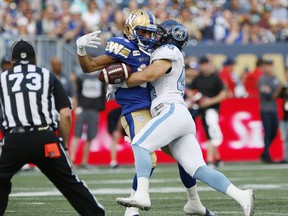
115, 73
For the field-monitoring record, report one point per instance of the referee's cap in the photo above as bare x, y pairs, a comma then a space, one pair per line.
22, 52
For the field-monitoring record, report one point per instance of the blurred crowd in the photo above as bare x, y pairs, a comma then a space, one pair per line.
218, 21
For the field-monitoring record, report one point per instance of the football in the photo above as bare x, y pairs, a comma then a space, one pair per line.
115, 73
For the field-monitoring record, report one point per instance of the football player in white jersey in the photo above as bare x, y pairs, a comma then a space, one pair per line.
172, 122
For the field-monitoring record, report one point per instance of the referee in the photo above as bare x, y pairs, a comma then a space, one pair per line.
34, 106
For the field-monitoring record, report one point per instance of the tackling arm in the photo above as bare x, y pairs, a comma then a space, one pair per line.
151, 73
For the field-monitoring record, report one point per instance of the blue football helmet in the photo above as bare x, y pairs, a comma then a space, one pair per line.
172, 32
141, 20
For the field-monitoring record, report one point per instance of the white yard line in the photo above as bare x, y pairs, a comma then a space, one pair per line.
106, 191
162, 168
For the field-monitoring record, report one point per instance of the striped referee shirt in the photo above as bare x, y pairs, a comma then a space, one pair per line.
31, 96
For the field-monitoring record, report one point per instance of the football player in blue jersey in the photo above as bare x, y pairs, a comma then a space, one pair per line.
134, 48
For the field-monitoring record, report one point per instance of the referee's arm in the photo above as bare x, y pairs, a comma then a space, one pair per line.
63, 106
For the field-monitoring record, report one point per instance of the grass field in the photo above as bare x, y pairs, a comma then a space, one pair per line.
33, 194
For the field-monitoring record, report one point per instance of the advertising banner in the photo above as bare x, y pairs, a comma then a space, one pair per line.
240, 124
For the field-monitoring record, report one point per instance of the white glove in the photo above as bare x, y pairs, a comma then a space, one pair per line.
88, 40
111, 89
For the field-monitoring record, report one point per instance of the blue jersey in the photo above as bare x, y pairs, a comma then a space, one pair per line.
136, 98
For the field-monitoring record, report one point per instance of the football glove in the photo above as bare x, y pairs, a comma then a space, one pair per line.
111, 89
88, 40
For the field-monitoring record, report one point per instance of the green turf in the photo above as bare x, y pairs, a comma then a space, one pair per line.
167, 193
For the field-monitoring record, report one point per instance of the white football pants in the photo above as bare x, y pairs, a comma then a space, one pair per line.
173, 125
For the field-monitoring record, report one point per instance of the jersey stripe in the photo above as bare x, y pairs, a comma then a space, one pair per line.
13, 107
21, 113
45, 108
37, 120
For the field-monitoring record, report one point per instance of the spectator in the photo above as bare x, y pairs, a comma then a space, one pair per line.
104, 25
237, 7
260, 35
221, 25
269, 87
236, 34
81, 5
231, 80
284, 122
132, 5
250, 80
265, 17
64, 9
174, 8
9, 29
117, 24
186, 20
227, 76
206, 24
76, 26
116, 131
91, 100
213, 92
161, 15
279, 12
56, 68
5, 64
191, 71
91, 17
48, 24
26, 23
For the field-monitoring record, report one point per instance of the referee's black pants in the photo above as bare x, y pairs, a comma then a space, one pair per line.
21, 148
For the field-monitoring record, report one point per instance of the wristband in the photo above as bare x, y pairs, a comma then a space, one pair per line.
81, 51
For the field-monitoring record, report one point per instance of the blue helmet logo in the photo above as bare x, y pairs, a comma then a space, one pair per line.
179, 33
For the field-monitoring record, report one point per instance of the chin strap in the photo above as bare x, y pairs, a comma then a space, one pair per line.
144, 51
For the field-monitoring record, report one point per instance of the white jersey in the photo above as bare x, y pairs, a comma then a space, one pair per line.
170, 87
172, 123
